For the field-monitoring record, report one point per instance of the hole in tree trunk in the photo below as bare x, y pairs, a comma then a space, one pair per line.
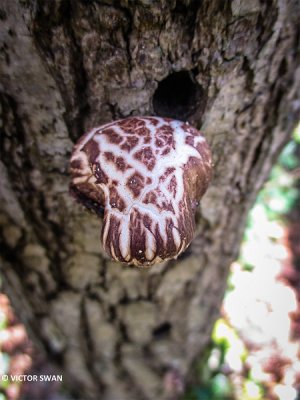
162, 330
178, 96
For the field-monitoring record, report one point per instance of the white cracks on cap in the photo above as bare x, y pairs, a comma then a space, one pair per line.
148, 173
150, 246
124, 238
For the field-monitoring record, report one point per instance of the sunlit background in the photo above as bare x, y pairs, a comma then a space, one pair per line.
254, 352
255, 347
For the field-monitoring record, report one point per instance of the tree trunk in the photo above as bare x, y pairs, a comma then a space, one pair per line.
230, 68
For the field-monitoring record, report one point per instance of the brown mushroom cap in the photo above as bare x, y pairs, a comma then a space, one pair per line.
147, 174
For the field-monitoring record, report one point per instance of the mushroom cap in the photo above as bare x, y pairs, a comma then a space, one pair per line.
146, 175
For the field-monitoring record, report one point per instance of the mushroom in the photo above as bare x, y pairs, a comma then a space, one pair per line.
145, 176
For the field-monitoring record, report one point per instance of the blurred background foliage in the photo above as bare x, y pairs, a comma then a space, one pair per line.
254, 350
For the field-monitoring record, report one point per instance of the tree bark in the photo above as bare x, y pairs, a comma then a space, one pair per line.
68, 66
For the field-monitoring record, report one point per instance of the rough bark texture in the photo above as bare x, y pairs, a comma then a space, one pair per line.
70, 65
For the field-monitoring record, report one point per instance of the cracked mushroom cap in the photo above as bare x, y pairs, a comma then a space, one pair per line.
147, 176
